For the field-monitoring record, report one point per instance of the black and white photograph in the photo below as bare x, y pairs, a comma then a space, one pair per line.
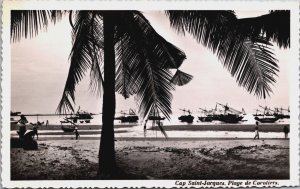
197, 97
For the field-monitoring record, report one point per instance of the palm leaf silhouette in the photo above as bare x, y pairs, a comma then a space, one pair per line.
85, 55
28, 23
246, 54
180, 78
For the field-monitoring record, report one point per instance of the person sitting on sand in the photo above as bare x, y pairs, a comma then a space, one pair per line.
22, 128
286, 131
35, 130
76, 133
256, 131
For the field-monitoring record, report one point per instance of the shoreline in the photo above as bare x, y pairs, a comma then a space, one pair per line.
157, 138
267, 127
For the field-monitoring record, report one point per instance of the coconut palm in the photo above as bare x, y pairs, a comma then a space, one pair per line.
124, 54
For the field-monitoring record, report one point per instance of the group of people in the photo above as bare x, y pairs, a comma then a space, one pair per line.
256, 131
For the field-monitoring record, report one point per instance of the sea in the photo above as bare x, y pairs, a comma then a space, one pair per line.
137, 129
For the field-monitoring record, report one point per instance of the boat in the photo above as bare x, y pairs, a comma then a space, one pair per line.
68, 128
81, 116
266, 119
230, 115
280, 114
14, 113
266, 116
154, 118
230, 118
131, 117
206, 116
186, 118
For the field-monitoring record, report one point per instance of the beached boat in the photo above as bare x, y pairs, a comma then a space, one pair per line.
67, 125
279, 113
266, 116
131, 117
68, 129
80, 116
230, 115
186, 118
154, 118
269, 119
14, 113
206, 116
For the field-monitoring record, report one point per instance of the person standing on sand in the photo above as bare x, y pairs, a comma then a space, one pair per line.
76, 133
47, 122
256, 131
286, 131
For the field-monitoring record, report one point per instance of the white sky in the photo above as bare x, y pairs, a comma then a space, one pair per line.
40, 67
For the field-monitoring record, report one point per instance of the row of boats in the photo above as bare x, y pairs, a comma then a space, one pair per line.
221, 112
231, 115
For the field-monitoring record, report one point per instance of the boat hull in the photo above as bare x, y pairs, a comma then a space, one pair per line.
205, 119
186, 118
267, 119
230, 118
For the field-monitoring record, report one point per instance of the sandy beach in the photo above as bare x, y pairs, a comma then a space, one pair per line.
155, 159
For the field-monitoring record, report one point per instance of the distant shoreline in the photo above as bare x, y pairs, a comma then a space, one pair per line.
208, 127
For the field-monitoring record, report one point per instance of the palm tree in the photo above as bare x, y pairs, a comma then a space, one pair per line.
126, 55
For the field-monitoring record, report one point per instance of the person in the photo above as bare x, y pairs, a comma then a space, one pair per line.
256, 131
47, 122
145, 124
22, 128
23, 120
286, 131
35, 130
76, 133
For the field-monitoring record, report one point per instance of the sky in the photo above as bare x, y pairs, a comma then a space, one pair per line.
40, 67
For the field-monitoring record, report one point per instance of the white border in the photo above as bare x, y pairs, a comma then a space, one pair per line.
143, 5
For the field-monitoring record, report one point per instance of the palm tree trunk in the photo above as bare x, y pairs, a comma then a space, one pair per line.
107, 163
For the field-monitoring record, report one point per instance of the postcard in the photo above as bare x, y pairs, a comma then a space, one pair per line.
150, 94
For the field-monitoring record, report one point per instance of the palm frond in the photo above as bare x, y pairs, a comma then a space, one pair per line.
247, 56
96, 74
180, 78
252, 64
166, 53
125, 59
274, 26
85, 54
147, 64
27, 23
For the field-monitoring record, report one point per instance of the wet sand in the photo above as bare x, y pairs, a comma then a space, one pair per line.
156, 159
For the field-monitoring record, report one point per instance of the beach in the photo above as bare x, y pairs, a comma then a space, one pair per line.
155, 158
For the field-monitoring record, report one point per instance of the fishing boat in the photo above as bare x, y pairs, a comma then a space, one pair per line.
81, 116
230, 115
15, 113
130, 117
186, 118
206, 117
67, 125
266, 116
154, 118
279, 113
